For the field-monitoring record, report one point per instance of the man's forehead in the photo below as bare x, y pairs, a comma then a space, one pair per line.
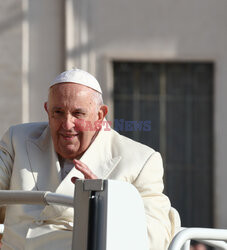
68, 94
62, 107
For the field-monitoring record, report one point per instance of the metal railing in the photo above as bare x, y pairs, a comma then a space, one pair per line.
208, 236
98, 203
34, 197
181, 241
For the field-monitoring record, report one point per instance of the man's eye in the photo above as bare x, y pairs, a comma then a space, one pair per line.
78, 113
58, 113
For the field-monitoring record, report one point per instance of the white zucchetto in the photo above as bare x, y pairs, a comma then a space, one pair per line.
78, 76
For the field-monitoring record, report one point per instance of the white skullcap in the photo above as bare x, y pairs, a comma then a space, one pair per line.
78, 76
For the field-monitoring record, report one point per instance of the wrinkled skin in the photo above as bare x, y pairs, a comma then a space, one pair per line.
69, 106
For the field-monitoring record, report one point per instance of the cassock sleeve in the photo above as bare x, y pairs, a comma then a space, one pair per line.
161, 224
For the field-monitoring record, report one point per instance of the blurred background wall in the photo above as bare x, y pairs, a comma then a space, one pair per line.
157, 60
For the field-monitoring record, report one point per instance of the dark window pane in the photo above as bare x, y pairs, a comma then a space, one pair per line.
149, 111
201, 128
202, 78
123, 79
178, 100
177, 79
124, 110
176, 118
149, 76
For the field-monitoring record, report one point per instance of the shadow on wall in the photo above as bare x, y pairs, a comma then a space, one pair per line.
12, 17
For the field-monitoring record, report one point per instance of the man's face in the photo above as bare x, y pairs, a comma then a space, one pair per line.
70, 105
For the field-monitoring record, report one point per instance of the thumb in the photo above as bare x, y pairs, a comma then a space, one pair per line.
73, 179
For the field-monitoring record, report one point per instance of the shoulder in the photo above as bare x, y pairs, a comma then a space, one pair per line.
28, 130
126, 144
134, 156
29, 127
132, 153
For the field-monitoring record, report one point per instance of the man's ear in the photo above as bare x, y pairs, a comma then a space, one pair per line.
46, 107
102, 112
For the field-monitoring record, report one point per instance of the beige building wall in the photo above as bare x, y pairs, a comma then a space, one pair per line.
39, 43
46, 51
32, 38
11, 16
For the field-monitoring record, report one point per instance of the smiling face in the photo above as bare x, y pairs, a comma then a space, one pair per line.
69, 106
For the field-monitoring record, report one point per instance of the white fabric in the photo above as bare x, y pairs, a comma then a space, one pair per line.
66, 167
1, 228
28, 162
78, 76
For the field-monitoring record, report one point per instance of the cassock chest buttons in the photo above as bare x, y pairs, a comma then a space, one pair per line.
39, 222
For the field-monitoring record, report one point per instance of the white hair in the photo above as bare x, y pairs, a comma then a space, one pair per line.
98, 99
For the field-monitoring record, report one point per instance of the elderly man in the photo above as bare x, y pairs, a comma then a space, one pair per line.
50, 156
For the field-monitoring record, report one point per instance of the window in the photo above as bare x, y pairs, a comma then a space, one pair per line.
177, 98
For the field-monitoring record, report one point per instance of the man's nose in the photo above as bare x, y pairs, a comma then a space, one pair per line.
69, 122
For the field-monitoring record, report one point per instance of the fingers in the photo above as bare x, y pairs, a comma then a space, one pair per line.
83, 168
73, 179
